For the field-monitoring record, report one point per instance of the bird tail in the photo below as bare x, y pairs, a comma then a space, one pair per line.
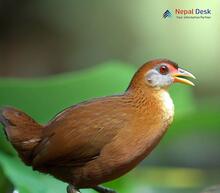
22, 131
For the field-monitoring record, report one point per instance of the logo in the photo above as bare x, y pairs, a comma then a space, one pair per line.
167, 14
193, 13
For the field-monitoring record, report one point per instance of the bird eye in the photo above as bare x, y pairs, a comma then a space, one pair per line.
164, 70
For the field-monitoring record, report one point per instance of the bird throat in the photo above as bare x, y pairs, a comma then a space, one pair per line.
167, 102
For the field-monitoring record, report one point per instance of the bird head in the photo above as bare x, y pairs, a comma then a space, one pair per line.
161, 74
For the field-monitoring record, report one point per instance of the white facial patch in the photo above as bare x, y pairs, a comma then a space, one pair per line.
155, 79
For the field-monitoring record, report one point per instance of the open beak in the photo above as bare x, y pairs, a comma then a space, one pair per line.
180, 75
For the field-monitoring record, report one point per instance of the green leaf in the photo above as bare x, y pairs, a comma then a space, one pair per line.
5, 185
44, 97
27, 181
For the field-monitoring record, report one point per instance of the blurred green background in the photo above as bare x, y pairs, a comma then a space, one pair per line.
56, 53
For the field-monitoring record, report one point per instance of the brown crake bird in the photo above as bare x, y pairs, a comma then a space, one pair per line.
99, 140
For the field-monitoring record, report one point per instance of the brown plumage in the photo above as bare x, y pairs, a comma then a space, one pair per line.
101, 139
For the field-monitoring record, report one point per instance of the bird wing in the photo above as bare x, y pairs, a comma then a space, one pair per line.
78, 134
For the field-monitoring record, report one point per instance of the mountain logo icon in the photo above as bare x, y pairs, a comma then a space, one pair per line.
167, 14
